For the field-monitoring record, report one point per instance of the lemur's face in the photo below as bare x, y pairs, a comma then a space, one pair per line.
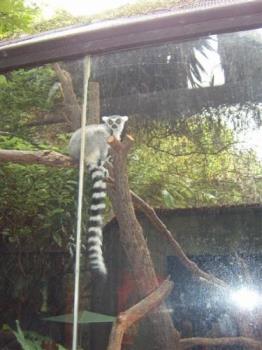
115, 122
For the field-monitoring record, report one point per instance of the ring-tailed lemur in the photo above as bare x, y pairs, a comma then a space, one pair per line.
96, 154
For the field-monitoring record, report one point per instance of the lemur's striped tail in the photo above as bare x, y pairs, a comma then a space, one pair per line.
95, 233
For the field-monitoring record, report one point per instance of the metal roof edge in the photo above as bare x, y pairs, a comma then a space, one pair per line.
127, 33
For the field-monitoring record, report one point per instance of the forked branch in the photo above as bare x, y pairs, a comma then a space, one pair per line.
165, 335
179, 253
150, 213
136, 312
72, 107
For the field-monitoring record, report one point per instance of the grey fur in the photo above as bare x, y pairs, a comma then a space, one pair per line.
96, 154
96, 146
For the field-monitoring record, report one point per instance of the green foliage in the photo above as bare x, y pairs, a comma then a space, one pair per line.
62, 18
31, 340
198, 168
13, 142
16, 17
141, 8
42, 200
24, 95
37, 215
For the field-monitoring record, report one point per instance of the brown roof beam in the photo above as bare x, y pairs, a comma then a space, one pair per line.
129, 33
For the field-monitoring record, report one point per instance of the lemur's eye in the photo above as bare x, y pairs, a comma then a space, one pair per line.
118, 121
110, 122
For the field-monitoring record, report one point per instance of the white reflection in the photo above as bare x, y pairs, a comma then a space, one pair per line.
246, 299
213, 74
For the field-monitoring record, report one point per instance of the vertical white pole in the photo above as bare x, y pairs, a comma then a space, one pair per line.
87, 70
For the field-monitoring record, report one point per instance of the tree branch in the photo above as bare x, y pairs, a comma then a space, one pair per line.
136, 312
124, 146
135, 246
46, 121
93, 105
161, 227
49, 158
227, 341
179, 253
203, 152
55, 159
72, 107
129, 226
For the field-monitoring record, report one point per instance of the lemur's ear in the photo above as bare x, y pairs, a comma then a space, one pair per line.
125, 118
104, 118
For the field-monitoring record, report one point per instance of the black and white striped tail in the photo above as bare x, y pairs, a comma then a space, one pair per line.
95, 233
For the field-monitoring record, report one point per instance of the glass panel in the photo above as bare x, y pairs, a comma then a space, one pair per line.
195, 113
38, 202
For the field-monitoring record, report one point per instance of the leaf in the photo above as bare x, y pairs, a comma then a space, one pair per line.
5, 6
6, 328
168, 199
58, 239
2, 80
60, 347
29, 340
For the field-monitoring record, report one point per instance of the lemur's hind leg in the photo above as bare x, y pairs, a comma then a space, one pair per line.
102, 165
109, 158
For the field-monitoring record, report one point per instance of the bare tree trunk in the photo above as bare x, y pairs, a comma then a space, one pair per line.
136, 312
50, 158
177, 249
72, 109
133, 241
93, 107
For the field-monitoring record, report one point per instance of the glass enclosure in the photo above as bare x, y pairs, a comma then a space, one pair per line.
194, 112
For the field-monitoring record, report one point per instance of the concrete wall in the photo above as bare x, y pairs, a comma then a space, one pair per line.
203, 231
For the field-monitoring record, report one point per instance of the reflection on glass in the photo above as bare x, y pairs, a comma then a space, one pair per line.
194, 110
39, 106
246, 298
